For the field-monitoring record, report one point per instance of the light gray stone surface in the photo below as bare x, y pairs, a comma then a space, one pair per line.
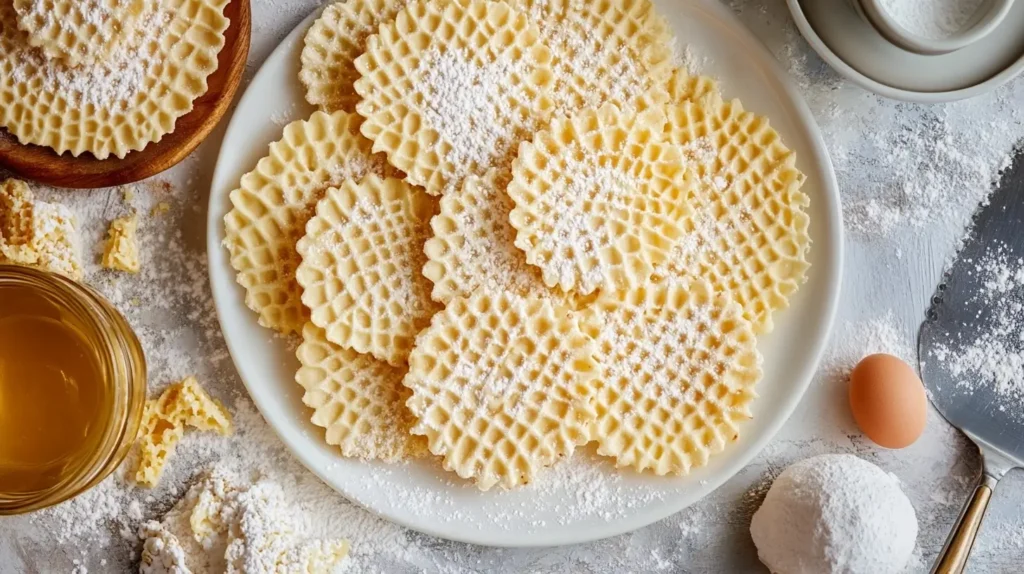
893, 272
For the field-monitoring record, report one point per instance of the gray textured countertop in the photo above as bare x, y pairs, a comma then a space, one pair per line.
894, 161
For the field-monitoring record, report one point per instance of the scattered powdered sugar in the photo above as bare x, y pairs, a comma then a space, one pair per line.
486, 256
835, 513
578, 240
932, 19
856, 340
110, 83
234, 523
93, 12
470, 104
903, 170
699, 152
994, 358
588, 71
651, 355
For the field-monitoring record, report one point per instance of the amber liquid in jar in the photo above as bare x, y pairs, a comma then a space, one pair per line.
55, 401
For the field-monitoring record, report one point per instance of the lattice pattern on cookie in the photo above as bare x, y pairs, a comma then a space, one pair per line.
748, 231
604, 51
121, 102
679, 368
163, 425
273, 203
78, 30
37, 233
357, 399
473, 246
332, 45
682, 87
600, 199
451, 87
502, 386
362, 261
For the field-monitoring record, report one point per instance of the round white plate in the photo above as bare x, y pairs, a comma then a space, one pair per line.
583, 499
856, 50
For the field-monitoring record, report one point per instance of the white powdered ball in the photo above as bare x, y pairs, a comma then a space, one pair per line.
835, 514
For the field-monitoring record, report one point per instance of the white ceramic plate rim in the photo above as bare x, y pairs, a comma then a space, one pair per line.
227, 295
855, 76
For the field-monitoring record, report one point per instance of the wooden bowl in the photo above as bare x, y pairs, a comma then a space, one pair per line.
42, 164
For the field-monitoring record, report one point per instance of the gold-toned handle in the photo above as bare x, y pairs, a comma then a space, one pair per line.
954, 556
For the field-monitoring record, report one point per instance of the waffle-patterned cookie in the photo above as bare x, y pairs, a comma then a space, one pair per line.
679, 368
748, 232
273, 203
163, 425
37, 233
608, 51
78, 30
451, 87
332, 45
362, 261
121, 102
502, 386
682, 87
473, 246
357, 399
600, 199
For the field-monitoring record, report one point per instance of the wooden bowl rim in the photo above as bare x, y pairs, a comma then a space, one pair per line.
43, 165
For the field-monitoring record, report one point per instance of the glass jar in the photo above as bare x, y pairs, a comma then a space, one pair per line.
122, 367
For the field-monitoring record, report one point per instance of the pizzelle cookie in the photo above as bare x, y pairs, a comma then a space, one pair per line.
119, 103
682, 87
502, 386
332, 45
362, 261
748, 231
451, 87
600, 199
78, 31
473, 246
274, 201
357, 399
608, 51
679, 367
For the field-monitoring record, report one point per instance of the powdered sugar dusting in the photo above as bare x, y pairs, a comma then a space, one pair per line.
111, 83
488, 256
651, 355
469, 103
588, 71
994, 358
579, 238
240, 525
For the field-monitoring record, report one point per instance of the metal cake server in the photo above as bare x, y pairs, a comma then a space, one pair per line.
959, 313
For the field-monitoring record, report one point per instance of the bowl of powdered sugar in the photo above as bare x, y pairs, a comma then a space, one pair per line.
933, 26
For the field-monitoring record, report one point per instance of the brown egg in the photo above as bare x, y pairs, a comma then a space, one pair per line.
888, 401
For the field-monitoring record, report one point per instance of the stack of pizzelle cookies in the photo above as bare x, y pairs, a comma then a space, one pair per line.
105, 77
515, 228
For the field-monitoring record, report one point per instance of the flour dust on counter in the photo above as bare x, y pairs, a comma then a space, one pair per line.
903, 169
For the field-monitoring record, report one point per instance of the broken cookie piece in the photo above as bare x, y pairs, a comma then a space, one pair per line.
121, 251
163, 425
36, 233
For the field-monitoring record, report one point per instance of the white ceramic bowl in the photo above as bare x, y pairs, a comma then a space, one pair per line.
989, 15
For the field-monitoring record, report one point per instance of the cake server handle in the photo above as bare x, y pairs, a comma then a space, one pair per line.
953, 557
